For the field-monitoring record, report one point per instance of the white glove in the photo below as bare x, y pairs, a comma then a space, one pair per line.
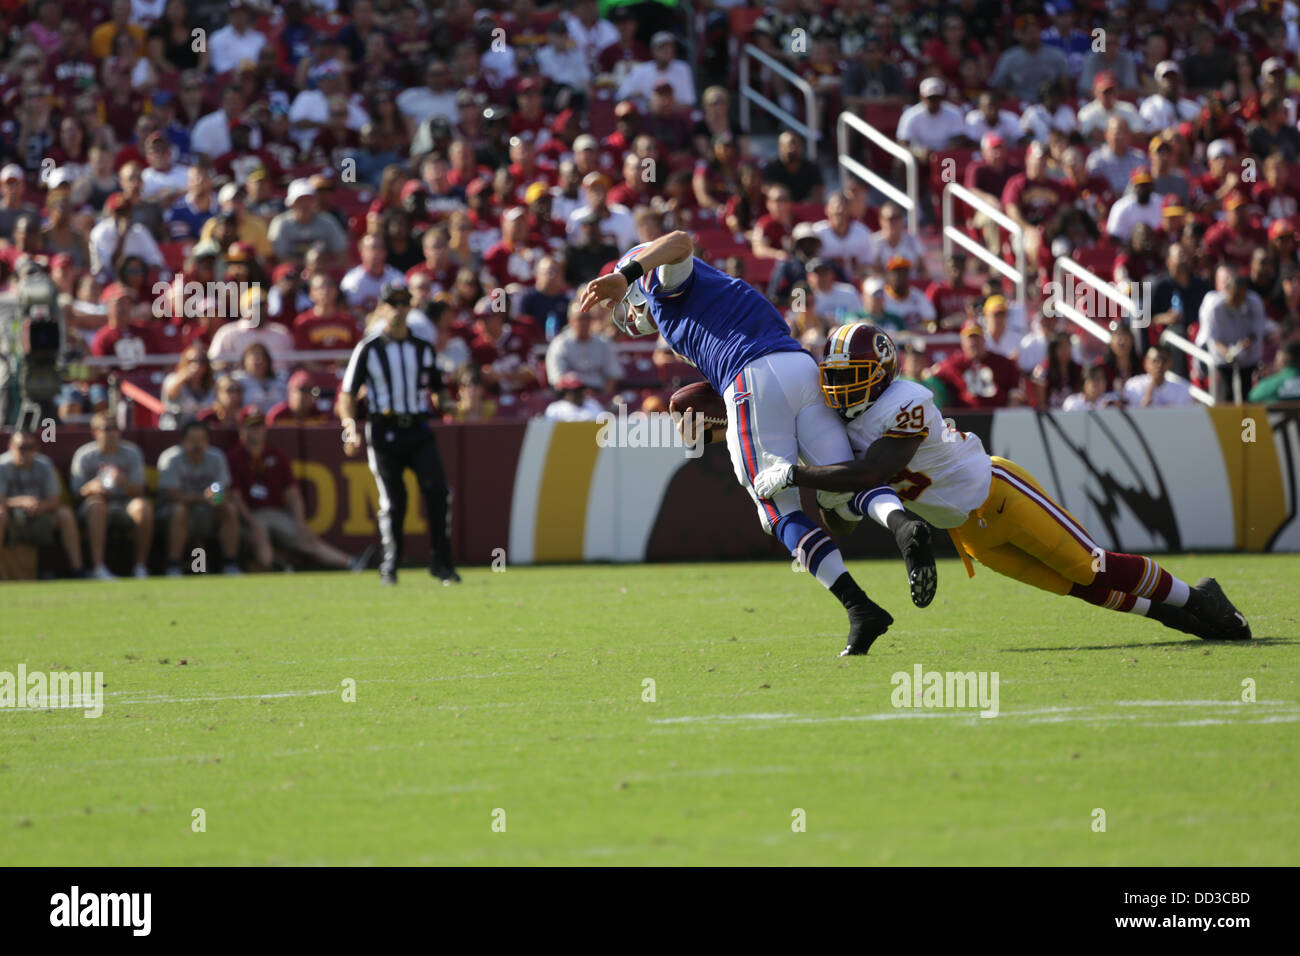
837, 502
776, 477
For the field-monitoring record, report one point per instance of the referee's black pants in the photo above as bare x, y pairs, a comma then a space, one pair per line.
391, 450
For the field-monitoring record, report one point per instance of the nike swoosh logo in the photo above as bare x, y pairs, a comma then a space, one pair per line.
1001, 506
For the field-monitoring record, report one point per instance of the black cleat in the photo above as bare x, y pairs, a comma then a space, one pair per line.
914, 542
866, 623
1222, 621
387, 577
1177, 618
445, 573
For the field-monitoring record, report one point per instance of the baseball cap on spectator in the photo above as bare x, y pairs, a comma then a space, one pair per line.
528, 85
569, 381
330, 69
513, 213
283, 271
1105, 80
991, 140
300, 379
972, 327
229, 193
804, 230
58, 179
1140, 175
585, 141
113, 204
1281, 227
626, 108
875, 285
207, 249
1233, 201
1172, 209
240, 252
816, 264
12, 171
595, 178
932, 86
535, 192
114, 292
1220, 148
251, 415
297, 190
995, 303
898, 262
1158, 141
479, 185
562, 121
411, 187
1165, 67
663, 36
258, 172
1272, 65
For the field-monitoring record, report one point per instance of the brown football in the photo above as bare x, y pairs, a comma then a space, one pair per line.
700, 397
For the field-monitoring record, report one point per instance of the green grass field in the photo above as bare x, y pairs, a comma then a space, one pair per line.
522, 692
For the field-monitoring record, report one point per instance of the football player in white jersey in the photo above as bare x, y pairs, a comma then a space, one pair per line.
996, 512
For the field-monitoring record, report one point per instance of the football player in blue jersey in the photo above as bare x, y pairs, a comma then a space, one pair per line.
775, 408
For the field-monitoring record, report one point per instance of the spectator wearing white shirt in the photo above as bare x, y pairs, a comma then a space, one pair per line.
145, 12
905, 300
591, 34
361, 285
211, 136
582, 351
989, 117
1095, 394
233, 339
436, 97
1116, 161
164, 181
310, 110
1155, 388
893, 241
1139, 204
1233, 327
834, 302
997, 334
1033, 345
116, 237
236, 41
1049, 114
844, 239
1095, 116
642, 79
1168, 107
574, 402
616, 221
562, 61
932, 124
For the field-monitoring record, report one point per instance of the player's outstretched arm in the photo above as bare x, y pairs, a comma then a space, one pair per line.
885, 458
666, 250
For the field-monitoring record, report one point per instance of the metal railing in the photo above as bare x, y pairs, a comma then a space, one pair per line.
953, 235
1065, 272
809, 128
909, 200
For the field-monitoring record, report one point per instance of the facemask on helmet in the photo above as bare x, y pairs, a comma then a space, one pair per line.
632, 314
859, 363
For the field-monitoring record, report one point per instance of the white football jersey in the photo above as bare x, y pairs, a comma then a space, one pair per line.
950, 474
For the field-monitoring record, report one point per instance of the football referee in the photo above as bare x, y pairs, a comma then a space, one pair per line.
398, 372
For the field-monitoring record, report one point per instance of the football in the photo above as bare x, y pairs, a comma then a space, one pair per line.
701, 398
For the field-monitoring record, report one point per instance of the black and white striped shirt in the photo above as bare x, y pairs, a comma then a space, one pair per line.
398, 374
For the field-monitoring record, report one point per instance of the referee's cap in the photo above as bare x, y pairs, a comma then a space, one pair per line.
393, 293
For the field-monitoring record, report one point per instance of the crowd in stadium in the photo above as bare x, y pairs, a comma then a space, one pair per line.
155, 154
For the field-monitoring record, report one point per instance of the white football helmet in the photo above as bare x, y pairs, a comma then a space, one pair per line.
632, 313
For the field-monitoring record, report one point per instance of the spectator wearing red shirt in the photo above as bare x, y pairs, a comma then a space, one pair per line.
978, 378
952, 295
667, 124
1235, 237
1140, 257
1031, 198
531, 116
310, 401
439, 265
987, 178
512, 260
768, 237
326, 325
1212, 188
502, 352
525, 164
627, 127
121, 337
269, 500
544, 230
1275, 196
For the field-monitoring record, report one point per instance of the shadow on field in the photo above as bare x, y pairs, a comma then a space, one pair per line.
1192, 642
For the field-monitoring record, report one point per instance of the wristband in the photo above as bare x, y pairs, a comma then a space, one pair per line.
632, 271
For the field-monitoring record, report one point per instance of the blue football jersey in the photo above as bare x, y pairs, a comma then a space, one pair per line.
719, 323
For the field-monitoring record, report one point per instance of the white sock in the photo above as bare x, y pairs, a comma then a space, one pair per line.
1140, 606
1179, 592
883, 503
831, 568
